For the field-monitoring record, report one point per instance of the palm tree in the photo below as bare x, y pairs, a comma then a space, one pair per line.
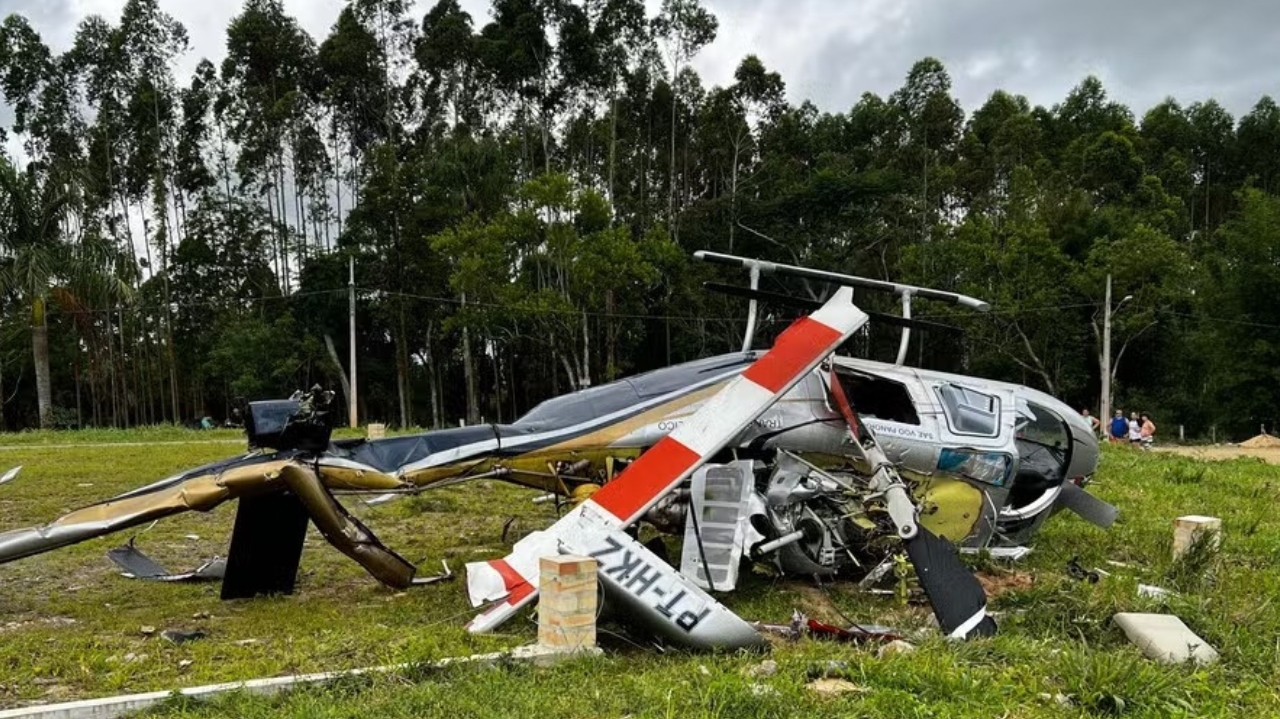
32, 255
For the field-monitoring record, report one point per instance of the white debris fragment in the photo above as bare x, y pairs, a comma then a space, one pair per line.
1165, 638
1153, 592
1011, 554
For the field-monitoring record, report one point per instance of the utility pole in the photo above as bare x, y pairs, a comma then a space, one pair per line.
1105, 364
1105, 419
351, 305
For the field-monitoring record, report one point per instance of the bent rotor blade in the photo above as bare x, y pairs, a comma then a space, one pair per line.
724, 416
958, 600
1087, 506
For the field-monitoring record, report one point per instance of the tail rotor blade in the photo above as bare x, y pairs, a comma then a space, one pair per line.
1087, 506
958, 600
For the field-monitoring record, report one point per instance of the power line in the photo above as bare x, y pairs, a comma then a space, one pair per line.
550, 310
55, 309
1224, 320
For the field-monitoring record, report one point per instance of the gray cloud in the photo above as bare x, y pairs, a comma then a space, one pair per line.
831, 51
1143, 50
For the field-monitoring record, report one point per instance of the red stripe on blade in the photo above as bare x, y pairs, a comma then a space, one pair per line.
647, 477
797, 347
516, 585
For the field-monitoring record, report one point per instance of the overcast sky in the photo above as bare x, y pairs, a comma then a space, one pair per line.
832, 51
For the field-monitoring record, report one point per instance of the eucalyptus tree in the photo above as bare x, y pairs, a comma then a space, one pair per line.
269, 68
685, 27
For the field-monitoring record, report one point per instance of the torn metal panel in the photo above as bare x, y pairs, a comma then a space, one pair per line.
139, 566
717, 523
10, 475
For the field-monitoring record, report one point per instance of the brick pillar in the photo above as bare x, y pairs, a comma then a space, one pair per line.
1186, 530
567, 603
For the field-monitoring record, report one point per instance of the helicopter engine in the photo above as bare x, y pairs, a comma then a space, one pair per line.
797, 518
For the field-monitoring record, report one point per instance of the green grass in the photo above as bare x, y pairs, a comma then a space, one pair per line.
70, 625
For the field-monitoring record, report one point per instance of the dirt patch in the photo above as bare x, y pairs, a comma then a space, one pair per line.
814, 602
1262, 441
1003, 583
1270, 455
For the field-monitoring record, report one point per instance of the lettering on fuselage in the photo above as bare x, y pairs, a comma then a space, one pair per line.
639, 576
775, 422
900, 431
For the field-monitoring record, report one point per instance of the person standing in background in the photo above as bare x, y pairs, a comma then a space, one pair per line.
1147, 432
1093, 421
1135, 429
1119, 427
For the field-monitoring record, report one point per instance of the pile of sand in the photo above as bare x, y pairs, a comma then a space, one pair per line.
1262, 441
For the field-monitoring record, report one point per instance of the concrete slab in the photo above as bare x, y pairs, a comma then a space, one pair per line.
1165, 638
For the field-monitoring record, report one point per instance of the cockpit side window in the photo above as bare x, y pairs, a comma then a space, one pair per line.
879, 398
1045, 427
969, 411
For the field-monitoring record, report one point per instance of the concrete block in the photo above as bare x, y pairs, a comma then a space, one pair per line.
1186, 530
567, 602
376, 431
1165, 638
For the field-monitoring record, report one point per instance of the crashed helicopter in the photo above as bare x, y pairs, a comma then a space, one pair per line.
814, 463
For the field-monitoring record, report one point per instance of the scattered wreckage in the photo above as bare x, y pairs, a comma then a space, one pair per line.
814, 463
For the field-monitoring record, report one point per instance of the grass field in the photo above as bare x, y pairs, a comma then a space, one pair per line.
71, 627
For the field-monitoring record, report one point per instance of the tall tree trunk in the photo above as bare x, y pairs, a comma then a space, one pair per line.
469, 370
430, 361
402, 366
671, 178
337, 363
40, 352
497, 382
613, 145
610, 363
111, 362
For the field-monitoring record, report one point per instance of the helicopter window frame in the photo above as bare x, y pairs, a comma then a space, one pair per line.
968, 400
908, 413
1044, 427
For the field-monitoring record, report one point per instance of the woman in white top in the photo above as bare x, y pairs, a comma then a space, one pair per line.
1135, 429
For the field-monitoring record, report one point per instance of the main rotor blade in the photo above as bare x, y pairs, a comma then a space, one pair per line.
803, 303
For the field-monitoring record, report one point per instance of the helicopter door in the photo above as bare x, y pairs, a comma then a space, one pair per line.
973, 414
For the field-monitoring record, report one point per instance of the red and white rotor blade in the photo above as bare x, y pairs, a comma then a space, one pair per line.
719, 421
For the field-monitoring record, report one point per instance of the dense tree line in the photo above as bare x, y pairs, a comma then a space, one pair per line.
522, 195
